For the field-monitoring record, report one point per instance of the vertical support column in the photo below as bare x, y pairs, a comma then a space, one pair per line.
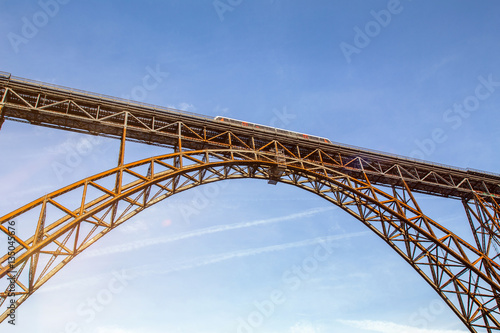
229, 137
300, 157
253, 147
178, 158
123, 140
119, 174
275, 172
2, 106
178, 163
121, 155
147, 191
484, 221
37, 238
2, 118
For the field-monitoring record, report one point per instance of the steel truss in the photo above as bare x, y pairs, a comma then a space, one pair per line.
376, 189
74, 110
466, 278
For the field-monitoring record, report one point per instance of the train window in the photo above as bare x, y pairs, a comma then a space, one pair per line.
267, 128
272, 129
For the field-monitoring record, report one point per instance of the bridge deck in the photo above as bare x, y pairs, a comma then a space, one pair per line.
80, 111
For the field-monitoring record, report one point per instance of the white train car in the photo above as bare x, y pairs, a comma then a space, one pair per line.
272, 129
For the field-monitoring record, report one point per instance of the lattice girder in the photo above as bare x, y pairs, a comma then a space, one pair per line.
484, 219
465, 277
84, 112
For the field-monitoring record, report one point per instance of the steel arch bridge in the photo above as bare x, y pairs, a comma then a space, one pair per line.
376, 188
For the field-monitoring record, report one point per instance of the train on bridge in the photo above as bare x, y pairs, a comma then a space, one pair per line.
6, 75
272, 129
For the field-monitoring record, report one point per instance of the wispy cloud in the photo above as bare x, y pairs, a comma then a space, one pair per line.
304, 327
108, 329
389, 327
208, 260
145, 270
200, 232
184, 106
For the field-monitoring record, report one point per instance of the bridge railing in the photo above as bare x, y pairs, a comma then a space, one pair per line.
410, 159
400, 157
5, 75
101, 96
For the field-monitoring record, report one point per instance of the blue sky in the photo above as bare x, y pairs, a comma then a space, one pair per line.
208, 259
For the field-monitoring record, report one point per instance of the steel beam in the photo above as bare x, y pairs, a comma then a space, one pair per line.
69, 109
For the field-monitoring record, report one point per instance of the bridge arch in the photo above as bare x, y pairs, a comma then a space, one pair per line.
460, 273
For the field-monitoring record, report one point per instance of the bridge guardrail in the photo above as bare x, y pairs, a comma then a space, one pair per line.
5, 75
105, 97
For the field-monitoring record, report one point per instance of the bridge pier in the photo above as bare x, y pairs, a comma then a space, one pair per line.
121, 158
277, 171
121, 155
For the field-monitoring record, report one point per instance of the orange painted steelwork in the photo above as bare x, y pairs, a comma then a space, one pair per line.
375, 188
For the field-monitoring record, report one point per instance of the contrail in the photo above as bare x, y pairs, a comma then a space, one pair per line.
205, 261
200, 232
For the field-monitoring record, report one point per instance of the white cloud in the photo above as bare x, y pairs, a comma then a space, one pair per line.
183, 106
388, 327
114, 329
303, 327
186, 106
208, 260
220, 110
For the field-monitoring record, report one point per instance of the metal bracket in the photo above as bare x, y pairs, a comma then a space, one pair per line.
275, 172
